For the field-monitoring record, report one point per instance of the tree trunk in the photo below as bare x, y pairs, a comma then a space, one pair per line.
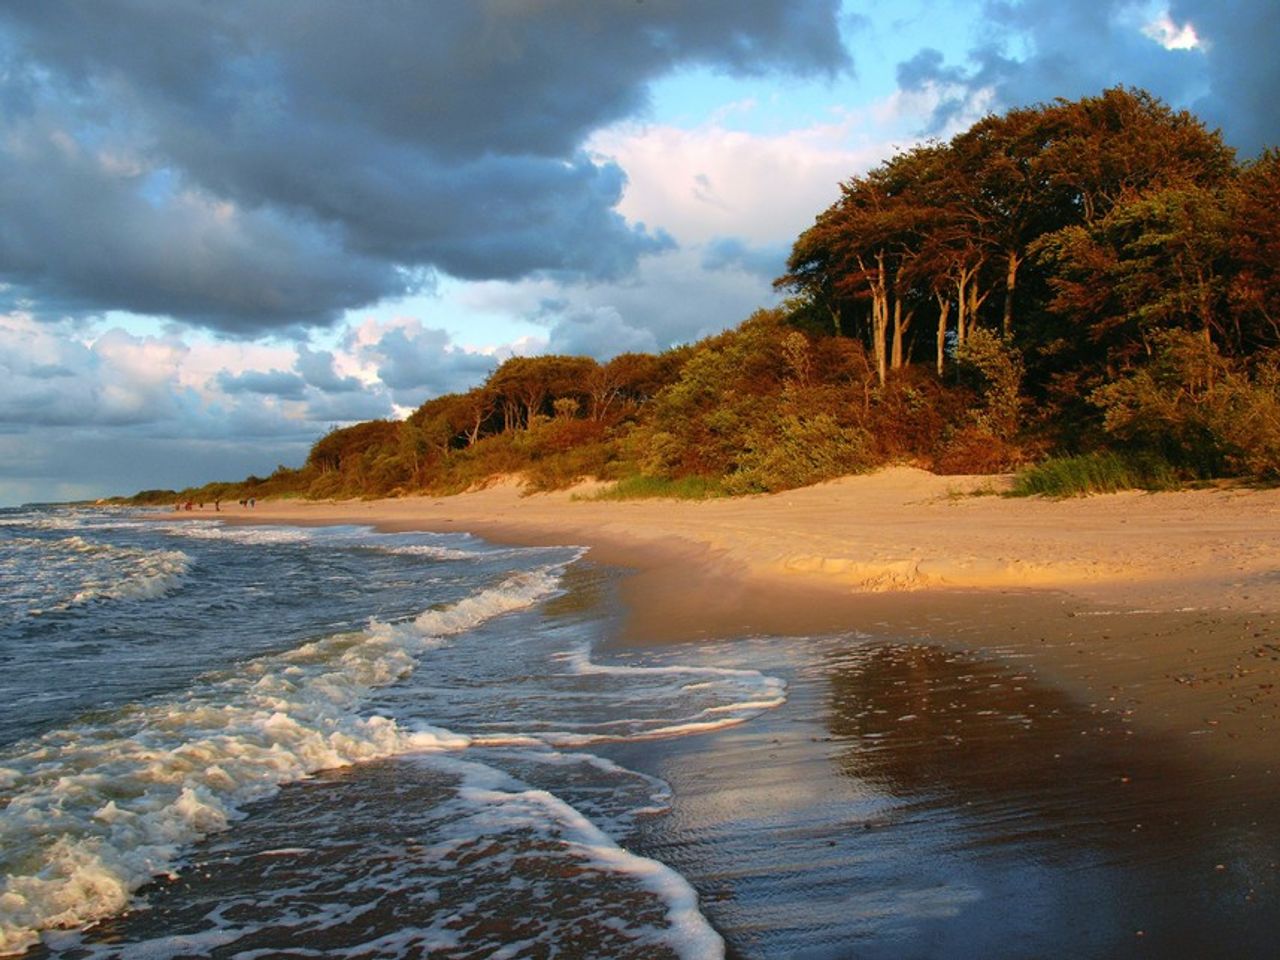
835, 320
944, 310
895, 362
1011, 282
880, 321
901, 324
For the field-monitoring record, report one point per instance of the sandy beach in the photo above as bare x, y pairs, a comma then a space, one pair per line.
1161, 608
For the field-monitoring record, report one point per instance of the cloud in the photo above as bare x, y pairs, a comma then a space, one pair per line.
671, 300
87, 412
711, 181
1238, 41
275, 383
84, 463
254, 168
317, 369
342, 408
1213, 57
418, 362
48, 378
601, 333
731, 253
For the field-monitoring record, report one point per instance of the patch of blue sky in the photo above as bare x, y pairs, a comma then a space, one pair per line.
878, 35
455, 307
138, 324
159, 186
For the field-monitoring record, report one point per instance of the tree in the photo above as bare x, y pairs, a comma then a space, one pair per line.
1254, 289
1153, 262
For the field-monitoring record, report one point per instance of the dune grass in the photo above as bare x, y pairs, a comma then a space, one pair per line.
1104, 472
642, 487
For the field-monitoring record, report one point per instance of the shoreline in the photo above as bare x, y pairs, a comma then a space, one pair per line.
1161, 611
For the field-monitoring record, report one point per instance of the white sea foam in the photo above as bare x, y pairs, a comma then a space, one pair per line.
717, 697
493, 802
102, 571
136, 574
213, 530
93, 812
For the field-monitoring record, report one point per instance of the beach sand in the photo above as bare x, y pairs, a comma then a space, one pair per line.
1014, 727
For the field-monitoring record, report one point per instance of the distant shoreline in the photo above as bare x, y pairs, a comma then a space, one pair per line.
1163, 606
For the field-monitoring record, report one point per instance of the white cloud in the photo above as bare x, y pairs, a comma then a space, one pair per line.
1164, 31
711, 181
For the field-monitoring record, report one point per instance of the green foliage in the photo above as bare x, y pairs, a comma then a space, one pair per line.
995, 369
1101, 472
1202, 412
790, 451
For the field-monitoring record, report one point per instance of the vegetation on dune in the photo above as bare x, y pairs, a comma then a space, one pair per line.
1092, 281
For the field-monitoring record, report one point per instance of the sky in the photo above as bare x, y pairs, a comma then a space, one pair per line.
227, 228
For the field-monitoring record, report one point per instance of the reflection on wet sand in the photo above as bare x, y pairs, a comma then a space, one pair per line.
914, 801
1032, 776
942, 728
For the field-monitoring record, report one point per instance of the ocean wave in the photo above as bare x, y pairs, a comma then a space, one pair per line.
93, 812
215, 530
434, 552
73, 571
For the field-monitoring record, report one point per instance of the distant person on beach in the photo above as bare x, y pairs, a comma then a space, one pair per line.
217, 505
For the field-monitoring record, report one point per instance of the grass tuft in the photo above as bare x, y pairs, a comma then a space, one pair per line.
1094, 473
641, 487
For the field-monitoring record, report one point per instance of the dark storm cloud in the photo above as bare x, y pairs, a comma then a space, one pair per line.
58, 464
1078, 49
1243, 69
255, 167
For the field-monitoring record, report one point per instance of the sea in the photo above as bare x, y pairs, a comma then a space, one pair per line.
253, 741
161, 682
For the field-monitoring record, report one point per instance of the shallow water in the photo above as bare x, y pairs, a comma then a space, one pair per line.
146, 718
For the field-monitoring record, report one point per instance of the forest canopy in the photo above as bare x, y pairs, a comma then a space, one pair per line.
1096, 278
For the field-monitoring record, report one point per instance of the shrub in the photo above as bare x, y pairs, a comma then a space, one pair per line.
974, 449
995, 369
1194, 408
789, 451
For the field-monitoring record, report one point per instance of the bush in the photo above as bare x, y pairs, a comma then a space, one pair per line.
975, 449
995, 368
1194, 408
791, 451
